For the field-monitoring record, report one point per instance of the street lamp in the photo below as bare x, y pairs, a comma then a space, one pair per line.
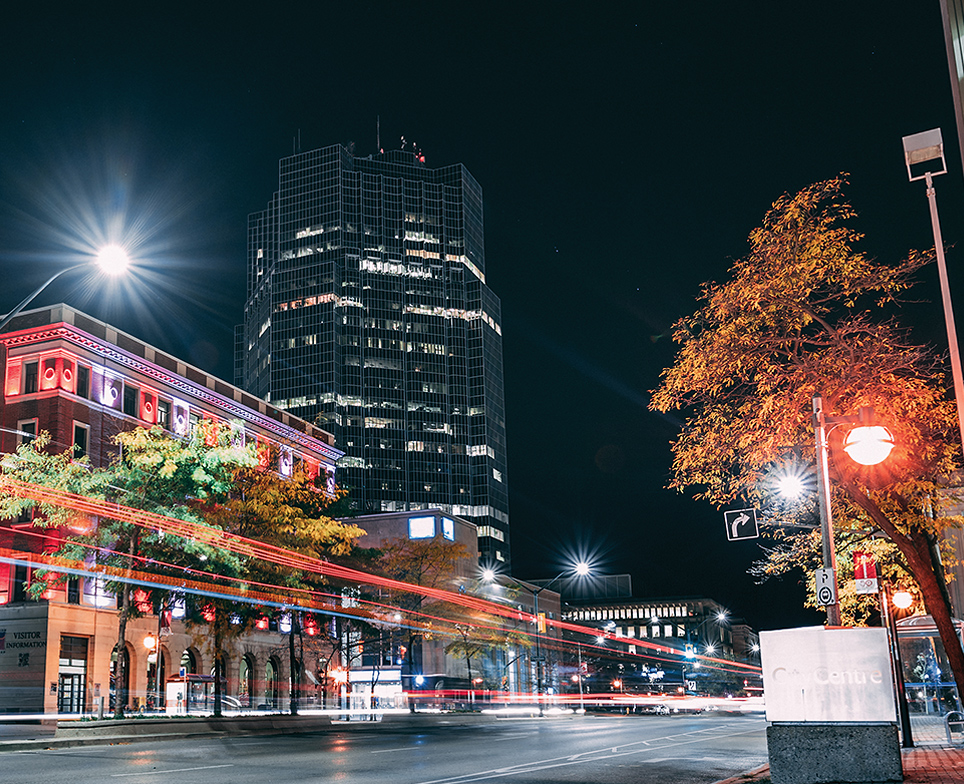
869, 447
902, 600
581, 569
111, 260
720, 616
921, 148
152, 644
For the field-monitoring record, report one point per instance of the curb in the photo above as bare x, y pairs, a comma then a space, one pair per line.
110, 733
761, 774
125, 732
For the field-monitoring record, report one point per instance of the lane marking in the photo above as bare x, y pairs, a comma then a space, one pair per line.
597, 756
174, 770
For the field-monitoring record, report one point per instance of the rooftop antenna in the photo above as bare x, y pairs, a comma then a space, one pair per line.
378, 132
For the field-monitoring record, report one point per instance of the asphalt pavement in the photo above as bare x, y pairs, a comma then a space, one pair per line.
605, 749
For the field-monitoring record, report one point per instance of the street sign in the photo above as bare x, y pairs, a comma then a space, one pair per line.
741, 524
865, 573
826, 587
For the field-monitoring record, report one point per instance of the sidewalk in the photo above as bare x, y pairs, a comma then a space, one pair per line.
932, 760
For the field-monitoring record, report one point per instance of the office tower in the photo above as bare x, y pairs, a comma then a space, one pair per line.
368, 314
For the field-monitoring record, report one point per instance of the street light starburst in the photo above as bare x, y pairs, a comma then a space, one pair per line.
792, 480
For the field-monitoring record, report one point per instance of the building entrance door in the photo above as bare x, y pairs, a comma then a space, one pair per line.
70, 693
72, 683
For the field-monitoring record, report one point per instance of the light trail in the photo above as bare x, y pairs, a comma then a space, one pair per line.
218, 538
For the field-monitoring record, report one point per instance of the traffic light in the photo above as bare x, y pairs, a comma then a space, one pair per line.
690, 651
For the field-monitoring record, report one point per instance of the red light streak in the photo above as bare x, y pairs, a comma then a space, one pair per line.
217, 538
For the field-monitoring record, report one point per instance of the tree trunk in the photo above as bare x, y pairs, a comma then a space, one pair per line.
410, 653
935, 601
916, 549
218, 651
120, 672
292, 669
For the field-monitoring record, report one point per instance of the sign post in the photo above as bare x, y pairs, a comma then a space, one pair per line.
826, 587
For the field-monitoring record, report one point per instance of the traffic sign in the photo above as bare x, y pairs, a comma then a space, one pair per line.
741, 524
826, 587
865, 573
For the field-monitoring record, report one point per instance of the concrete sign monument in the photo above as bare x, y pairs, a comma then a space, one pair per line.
817, 674
830, 699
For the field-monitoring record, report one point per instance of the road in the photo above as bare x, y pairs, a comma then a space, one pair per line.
694, 749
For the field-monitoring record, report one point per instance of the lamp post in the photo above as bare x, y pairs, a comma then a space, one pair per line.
921, 148
867, 444
580, 569
579, 657
888, 597
720, 616
153, 645
111, 260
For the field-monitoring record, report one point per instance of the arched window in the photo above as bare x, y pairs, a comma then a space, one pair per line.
246, 681
271, 683
189, 661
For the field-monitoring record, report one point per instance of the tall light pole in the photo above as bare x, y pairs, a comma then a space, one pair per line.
889, 596
920, 148
111, 260
580, 569
867, 444
579, 657
720, 616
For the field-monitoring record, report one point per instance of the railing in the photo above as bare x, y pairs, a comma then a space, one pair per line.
953, 719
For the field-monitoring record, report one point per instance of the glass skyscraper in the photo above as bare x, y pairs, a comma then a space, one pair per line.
368, 314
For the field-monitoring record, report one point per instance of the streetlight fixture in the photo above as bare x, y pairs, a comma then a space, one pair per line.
111, 260
720, 616
920, 148
153, 645
580, 569
869, 447
902, 600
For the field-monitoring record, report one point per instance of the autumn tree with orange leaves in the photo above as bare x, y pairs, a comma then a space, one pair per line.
805, 312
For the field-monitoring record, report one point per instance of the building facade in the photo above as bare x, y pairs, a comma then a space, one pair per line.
83, 381
672, 622
393, 659
368, 313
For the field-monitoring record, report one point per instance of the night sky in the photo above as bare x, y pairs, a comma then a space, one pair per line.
625, 151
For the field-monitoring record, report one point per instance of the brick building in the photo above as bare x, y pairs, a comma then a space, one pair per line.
84, 381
